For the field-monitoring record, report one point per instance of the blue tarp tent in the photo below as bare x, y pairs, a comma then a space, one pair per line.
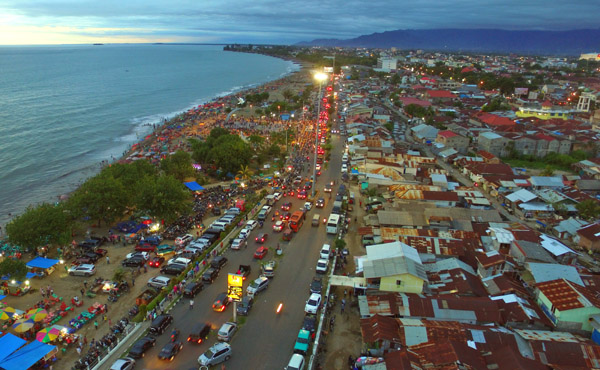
1, 298
31, 275
8, 344
193, 186
26, 356
41, 262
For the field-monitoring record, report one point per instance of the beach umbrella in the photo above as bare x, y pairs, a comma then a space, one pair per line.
22, 325
47, 334
7, 313
36, 314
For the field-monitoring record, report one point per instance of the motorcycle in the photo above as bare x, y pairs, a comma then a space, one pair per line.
324, 221
174, 335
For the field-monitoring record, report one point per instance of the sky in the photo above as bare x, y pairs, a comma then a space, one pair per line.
271, 21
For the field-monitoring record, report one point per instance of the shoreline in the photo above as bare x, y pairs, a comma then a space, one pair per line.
173, 134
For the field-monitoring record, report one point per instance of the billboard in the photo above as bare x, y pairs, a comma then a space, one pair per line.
234, 287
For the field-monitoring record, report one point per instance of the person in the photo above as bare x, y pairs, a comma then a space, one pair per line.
96, 324
107, 260
191, 304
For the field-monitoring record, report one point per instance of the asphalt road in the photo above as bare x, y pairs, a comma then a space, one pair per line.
265, 340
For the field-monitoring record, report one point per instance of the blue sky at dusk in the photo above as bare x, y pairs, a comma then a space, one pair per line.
270, 21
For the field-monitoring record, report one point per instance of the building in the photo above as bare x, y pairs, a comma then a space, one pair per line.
589, 237
568, 305
545, 111
386, 64
453, 140
492, 143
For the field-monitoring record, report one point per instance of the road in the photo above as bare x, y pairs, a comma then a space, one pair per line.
265, 340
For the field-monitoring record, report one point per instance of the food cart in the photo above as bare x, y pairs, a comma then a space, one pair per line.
14, 287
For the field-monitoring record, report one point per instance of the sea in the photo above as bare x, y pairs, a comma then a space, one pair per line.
65, 109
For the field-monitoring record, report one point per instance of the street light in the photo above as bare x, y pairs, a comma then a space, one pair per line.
320, 77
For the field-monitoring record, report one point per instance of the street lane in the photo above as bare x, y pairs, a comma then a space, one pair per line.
265, 340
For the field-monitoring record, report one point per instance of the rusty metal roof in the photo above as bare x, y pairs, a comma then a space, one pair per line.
378, 328
565, 295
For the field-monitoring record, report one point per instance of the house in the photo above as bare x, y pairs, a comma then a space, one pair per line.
438, 96
568, 305
491, 263
567, 229
424, 133
381, 332
589, 237
394, 267
552, 182
453, 140
542, 272
492, 143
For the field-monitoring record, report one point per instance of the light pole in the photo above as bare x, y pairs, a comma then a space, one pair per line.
320, 77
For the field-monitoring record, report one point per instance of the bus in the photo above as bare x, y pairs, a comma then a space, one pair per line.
297, 220
333, 223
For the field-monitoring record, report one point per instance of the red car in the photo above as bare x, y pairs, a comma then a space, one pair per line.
286, 206
146, 247
291, 193
261, 238
156, 261
286, 216
261, 252
302, 195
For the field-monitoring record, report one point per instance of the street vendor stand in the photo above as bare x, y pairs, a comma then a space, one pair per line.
42, 266
14, 287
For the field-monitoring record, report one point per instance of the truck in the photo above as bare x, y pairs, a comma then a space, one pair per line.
268, 269
244, 270
337, 207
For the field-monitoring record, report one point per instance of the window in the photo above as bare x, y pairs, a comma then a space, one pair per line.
398, 282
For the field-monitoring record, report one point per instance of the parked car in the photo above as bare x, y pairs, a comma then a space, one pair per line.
239, 244
261, 252
145, 247
218, 262
165, 249
133, 262
296, 362
159, 282
199, 332
125, 363
252, 224
322, 265
210, 275
221, 302
144, 255
172, 269
82, 270
156, 261
316, 285
179, 261
193, 288
170, 350
313, 304
257, 286
160, 324
302, 342
245, 305
141, 346
216, 354
309, 323
182, 241
227, 331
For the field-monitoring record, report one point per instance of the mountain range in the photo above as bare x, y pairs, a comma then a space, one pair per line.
573, 42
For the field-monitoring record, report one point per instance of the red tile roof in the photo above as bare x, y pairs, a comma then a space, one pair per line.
407, 100
485, 154
494, 120
565, 295
440, 94
449, 196
447, 134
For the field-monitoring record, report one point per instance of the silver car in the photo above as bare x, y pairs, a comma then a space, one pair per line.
226, 332
216, 354
239, 243
82, 270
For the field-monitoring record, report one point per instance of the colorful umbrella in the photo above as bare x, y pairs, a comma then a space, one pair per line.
36, 314
7, 313
22, 325
47, 334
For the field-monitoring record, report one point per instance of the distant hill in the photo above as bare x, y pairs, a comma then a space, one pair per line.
571, 42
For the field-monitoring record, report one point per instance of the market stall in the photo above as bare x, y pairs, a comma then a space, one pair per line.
42, 266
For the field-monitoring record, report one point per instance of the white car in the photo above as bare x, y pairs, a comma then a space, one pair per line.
226, 332
239, 243
218, 353
307, 206
159, 282
144, 255
278, 226
313, 304
82, 270
277, 196
125, 363
257, 286
181, 241
322, 265
251, 224
179, 261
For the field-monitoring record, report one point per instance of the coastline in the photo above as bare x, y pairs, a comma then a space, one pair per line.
168, 131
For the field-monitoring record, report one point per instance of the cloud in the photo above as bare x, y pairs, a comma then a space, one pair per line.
275, 21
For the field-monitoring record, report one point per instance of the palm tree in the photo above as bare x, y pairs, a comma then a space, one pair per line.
548, 171
245, 173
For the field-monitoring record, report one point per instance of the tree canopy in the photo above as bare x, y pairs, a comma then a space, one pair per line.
17, 269
40, 225
588, 209
101, 198
178, 165
164, 197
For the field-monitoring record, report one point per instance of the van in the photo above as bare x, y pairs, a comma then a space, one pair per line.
316, 219
218, 225
262, 215
199, 333
296, 362
325, 251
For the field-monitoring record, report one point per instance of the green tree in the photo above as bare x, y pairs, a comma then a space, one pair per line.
588, 209
101, 198
40, 225
245, 173
229, 152
163, 197
548, 171
339, 244
256, 140
389, 126
17, 269
395, 79
178, 165
287, 94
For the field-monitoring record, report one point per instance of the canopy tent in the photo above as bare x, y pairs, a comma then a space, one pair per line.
8, 344
41, 262
193, 186
26, 356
